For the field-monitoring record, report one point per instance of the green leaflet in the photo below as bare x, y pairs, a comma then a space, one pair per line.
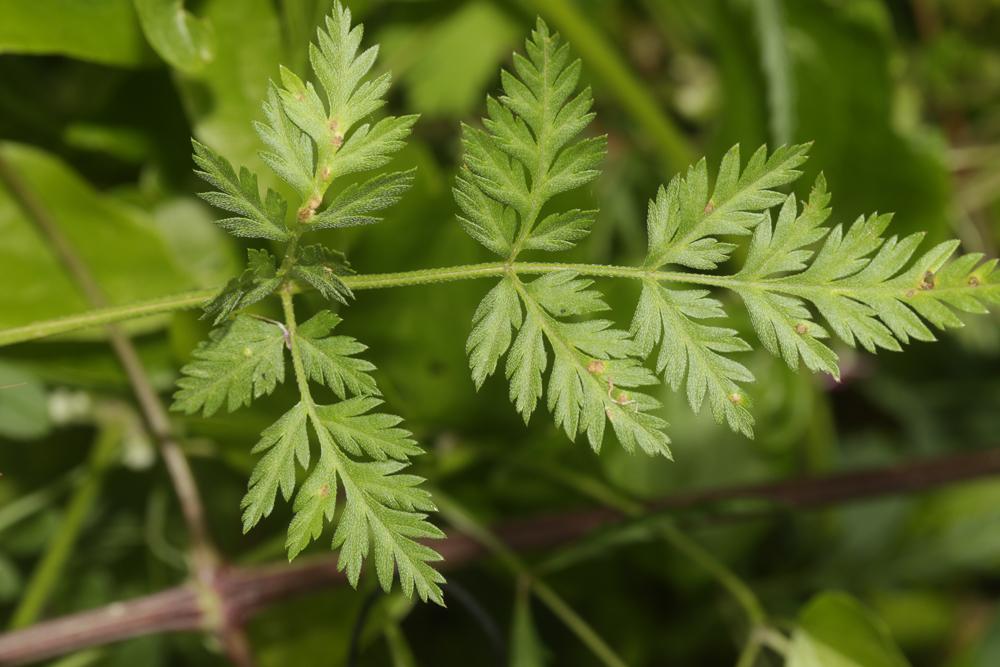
320, 268
354, 205
594, 368
798, 272
497, 315
385, 510
527, 154
291, 154
385, 513
240, 362
360, 433
868, 288
259, 280
239, 194
692, 353
361, 453
331, 360
283, 443
183, 40
686, 216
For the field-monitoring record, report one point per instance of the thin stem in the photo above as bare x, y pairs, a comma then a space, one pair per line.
301, 379
750, 653
734, 585
205, 560
46, 575
36, 501
103, 316
465, 523
152, 408
445, 274
247, 591
729, 580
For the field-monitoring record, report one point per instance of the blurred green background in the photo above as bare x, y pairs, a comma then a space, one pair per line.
98, 100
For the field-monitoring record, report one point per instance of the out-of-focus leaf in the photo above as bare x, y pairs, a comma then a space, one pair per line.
224, 97
835, 630
446, 67
122, 249
776, 63
526, 649
183, 40
24, 411
954, 529
845, 103
105, 31
300, 18
188, 228
987, 652
10, 580
125, 143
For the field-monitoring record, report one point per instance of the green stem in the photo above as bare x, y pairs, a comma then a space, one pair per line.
729, 580
734, 585
460, 519
185, 300
36, 501
102, 316
750, 653
46, 576
301, 379
445, 274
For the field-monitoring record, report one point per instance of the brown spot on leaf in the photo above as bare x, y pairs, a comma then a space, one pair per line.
308, 210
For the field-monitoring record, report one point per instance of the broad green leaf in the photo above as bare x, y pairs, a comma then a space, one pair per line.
224, 97
104, 31
24, 409
183, 40
436, 82
117, 242
835, 630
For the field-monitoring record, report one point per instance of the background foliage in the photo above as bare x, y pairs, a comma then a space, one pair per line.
97, 103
